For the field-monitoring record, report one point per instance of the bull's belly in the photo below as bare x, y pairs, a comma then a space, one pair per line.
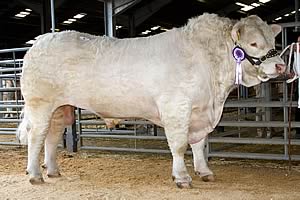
121, 108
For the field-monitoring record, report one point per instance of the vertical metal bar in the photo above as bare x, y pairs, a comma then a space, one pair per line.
268, 98
131, 25
65, 139
285, 118
246, 97
285, 37
206, 149
135, 142
52, 16
108, 18
285, 98
79, 127
42, 18
15, 81
46, 16
71, 137
154, 130
239, 111
297, 28
1, 95
243, 96
266, 93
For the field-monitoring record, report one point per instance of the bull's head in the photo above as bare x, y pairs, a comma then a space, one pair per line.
257, 40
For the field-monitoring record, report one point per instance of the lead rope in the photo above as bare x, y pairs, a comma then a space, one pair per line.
290, 128
296, 69
290, 47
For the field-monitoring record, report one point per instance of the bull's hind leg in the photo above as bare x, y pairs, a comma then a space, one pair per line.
39, 114
200, 164
175, 117
53, 138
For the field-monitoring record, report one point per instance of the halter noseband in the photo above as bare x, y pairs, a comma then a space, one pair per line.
271, 53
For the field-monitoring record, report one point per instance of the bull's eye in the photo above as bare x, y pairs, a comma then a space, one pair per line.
253, 44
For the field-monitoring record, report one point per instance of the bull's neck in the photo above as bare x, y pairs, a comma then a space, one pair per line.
224, 75
229, 68
217, 47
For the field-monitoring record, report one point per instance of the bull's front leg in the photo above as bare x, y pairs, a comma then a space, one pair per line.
200, 164
175, 117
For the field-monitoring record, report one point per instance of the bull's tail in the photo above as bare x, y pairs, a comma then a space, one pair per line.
23, 129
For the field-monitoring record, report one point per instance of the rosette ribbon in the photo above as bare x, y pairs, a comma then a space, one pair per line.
239, 55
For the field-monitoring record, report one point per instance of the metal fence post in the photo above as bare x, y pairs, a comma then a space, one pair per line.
71, 138
108, 18
52, 16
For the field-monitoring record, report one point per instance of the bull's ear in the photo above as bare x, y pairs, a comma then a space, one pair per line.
276, 29
236, 32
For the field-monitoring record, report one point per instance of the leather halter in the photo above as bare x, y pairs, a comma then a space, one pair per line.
257, 61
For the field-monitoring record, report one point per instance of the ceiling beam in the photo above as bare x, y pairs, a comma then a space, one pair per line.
121, 6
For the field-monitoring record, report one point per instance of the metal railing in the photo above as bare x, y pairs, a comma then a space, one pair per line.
10, 107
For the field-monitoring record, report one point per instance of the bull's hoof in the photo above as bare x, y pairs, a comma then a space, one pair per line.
36, 180
182, 185
208, 178
184, 182
54, 175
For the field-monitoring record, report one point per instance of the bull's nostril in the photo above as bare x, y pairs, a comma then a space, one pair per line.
280, 68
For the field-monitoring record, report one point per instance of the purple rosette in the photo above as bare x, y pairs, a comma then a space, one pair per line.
238, 54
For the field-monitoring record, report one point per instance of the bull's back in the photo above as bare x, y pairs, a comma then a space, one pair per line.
101, 74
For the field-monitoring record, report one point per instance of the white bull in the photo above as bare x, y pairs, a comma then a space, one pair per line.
179, 80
